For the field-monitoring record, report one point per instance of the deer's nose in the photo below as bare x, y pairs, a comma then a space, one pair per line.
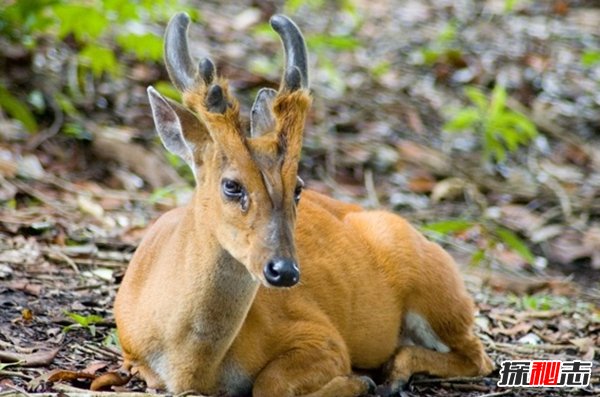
282, 272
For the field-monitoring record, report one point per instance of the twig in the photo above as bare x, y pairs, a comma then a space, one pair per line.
42, 197
561, 194
371, 191
61, 256
106, 193
18, 389
457, 379
15, 373
18, 349
103, 351
497, 394
466, 387
101, 263
49, 132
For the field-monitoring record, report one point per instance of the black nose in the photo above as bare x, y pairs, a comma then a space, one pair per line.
282, 272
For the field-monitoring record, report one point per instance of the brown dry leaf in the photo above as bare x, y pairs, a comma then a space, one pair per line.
449, 188
57, 375
520, 218
517, 329
61, 375
591, 240
421, 182
95, 367
435, 161
25, 286
115, 144
585, 346
107, 380
36, 359
540, 314
568, 247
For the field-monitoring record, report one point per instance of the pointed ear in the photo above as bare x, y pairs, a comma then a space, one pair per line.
180, 131
261, 116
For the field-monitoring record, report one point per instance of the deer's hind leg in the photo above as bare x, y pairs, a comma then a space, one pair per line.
467, 359
316, 366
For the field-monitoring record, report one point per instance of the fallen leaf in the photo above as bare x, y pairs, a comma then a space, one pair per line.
109, 379
421, 182
449, 188
568, 247
512, 331
57, 375
585, 346
95, 367
520, 218
40, 358
88, 206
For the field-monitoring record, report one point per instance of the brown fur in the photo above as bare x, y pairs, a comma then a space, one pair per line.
194, 311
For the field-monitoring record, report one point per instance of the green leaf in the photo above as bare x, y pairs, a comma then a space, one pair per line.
515, 243
464, 119
337, 43
146, 47
17, 110
477, 257
448, 34
84, 321
380, 68
99, 59
509, 5
430, 55
590, 58
449, 226
167, 90
522, 124
85, 22
477, 97
498, 101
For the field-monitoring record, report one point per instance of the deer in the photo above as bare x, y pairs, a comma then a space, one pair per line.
260, 287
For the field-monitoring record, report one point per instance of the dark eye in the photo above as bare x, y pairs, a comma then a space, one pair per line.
298, 190
232, 189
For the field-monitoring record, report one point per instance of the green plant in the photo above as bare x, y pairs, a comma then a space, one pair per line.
94, 40
112, 340
590, 58
443, 48
492, 234
502, 130
89, 322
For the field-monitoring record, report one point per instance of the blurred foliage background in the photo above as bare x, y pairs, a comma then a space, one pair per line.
477, 119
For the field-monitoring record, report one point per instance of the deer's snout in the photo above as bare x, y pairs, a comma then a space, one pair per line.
282, 272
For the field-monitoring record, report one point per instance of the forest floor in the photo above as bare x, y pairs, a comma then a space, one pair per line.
526, 230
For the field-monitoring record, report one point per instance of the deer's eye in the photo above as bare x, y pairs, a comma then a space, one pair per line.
298, 190
232, 190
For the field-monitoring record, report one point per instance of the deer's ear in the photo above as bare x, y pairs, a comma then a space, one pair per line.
180, 131
261, 116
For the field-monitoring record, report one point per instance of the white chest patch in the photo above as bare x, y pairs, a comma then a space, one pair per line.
416, 331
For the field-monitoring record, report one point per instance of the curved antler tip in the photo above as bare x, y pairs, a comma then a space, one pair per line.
277, 21
181, 17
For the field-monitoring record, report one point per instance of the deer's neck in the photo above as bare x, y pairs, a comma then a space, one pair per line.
222, 292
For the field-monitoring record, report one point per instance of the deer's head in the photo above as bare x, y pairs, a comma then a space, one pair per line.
248, 188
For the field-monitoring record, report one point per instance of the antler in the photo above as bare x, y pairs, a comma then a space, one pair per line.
296, 69
184, 73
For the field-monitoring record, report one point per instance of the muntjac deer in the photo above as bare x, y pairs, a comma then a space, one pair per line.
258, 287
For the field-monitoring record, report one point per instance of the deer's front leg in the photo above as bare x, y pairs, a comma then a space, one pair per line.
312, 368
